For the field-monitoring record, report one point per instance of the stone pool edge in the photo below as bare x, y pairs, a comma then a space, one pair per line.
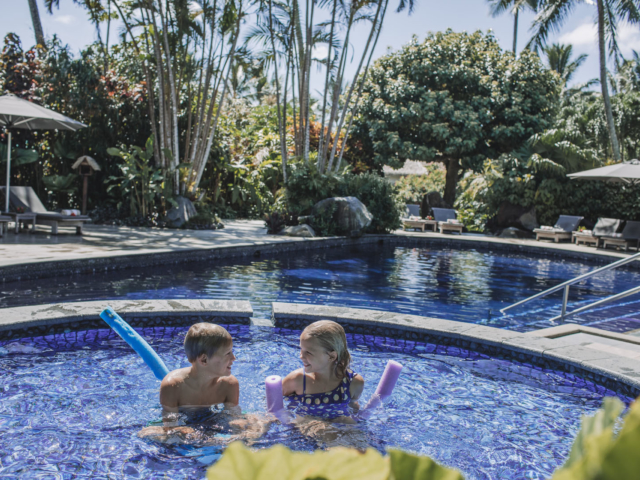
48, 319
619, 374
126, 260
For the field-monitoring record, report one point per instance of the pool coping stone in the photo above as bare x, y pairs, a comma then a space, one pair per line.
42, 319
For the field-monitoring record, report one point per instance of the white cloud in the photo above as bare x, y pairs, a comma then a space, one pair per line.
64, 19
320, 52
628, 38
585, 34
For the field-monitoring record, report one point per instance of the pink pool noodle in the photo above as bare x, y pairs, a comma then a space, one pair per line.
389, 379
274, 394
384, 389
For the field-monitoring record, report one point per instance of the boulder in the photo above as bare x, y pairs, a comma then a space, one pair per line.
351, 215
512, 232
510, 215
299, 231
180, 214
432, 200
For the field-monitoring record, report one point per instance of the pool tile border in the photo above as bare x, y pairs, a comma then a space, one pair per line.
616, 373
39, 320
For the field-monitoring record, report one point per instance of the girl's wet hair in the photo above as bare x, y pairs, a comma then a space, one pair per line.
332, 338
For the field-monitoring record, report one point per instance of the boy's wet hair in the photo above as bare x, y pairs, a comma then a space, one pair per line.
205, 338
332, 338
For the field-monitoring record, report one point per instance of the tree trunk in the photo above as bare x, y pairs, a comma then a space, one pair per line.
37, 26
453, 167
515, 31
603, 84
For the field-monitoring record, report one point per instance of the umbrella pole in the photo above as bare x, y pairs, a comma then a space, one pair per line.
8, 172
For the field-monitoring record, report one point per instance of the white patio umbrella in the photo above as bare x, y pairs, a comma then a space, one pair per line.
625, 172
18, 113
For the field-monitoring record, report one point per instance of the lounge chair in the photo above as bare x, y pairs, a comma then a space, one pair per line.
562, 230
26, 198
630, 235
413, 220
446, 218
4, 220
603, 227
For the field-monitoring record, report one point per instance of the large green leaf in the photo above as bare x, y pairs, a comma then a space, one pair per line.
597, 454
405, 466
19, 156
278, 462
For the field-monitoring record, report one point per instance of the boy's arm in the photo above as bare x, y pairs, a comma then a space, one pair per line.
169, 398
232, 390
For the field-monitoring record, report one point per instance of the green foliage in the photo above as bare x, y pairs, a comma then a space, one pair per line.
456, 98
19, 156
61, 183
306, 187
274, 221
139, 180
323, 223
412, 188
598, 453
240, 463
406, 466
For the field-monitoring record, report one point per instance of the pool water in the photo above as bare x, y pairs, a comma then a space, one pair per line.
462, 285
71, 405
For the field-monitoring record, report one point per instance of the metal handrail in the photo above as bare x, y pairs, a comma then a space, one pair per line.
617, 296
568, 284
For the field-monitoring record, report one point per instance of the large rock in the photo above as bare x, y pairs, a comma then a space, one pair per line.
351, 215
177, 216
510, 215
299, 231
432, 200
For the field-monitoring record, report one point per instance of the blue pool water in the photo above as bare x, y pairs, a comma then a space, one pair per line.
72, 404
460, 285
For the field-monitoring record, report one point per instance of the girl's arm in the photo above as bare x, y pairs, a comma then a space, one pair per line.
292, 383
357, 385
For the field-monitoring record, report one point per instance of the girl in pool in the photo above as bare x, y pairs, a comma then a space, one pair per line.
325, 387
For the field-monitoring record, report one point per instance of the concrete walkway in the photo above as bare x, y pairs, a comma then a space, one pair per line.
100, 241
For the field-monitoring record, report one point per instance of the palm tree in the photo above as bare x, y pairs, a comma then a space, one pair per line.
498, 7
37, 26
552, 15
559, 60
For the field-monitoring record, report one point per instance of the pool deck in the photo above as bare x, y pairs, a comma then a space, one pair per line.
101, 242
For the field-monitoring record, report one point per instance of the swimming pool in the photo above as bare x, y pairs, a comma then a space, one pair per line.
460, 285
72, 404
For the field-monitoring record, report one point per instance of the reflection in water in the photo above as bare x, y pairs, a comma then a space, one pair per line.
458, 285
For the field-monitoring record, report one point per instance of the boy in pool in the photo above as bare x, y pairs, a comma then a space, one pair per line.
207, 382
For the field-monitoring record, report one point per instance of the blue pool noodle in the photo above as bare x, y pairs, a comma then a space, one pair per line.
136, 342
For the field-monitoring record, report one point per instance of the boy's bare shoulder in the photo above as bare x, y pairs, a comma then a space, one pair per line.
229, 381
175, 378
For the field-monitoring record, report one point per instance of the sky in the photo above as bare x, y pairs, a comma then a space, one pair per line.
70, 23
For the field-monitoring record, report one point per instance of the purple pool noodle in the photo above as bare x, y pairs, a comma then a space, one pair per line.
389, 379
274, 393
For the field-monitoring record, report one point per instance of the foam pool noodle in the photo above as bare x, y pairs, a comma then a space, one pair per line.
384, 389
136, 342
275, 403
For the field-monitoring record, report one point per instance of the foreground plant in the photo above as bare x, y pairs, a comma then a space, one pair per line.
241, 463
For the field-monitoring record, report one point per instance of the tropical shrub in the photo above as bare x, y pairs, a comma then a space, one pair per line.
241, 463
140, 181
